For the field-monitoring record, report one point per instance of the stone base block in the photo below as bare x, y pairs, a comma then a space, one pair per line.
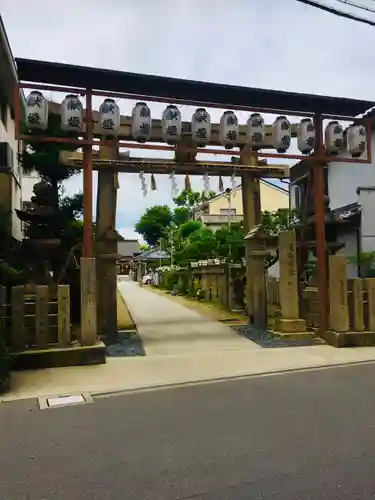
349, 339
284, 325
57, 357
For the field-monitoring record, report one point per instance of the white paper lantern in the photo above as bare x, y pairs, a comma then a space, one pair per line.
255, 131
171, 125
356, 139
36, 111
109, 117
306, 136
334, 138
228, 134
71, 114
141, 122
201, 127
281, 134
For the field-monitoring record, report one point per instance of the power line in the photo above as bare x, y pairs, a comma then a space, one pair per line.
356, 5
336, 12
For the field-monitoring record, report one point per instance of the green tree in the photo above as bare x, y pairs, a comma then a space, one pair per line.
191, 200
180, 216
281, 219
230, 243
154, 223
44, 157
199, 245
188, 228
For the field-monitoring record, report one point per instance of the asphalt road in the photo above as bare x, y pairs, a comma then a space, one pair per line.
307, 435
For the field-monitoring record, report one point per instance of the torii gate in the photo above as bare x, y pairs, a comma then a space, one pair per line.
82, 81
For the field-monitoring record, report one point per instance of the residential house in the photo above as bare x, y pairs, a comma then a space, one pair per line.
350, 205
127, 250
10, 173
226, 208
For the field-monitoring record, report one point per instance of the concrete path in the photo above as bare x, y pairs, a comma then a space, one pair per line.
187, 350
170, 328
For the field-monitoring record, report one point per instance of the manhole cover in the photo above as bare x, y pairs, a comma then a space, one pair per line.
71, 399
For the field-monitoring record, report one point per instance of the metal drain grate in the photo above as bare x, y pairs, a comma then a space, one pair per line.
67, 400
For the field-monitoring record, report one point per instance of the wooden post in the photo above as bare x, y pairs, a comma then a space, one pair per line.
358, 321
18, 318
206, 284
290, 322
41, 316
3, 309
338, 293
63, 312
370, 288
89, 334
107, 245
87, 180
214, 285
251, 217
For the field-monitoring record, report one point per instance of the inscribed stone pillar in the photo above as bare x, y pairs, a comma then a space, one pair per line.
288, 275
290, 322
357, 291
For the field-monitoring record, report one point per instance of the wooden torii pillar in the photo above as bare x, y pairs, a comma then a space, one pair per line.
251, 217
106, 245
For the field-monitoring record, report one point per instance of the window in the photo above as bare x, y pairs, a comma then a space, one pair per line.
227, 211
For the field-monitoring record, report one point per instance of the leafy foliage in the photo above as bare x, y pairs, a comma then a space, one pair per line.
188, 228
153, 223
180, 216
44, 158
274, 222
193, 241
190, 199
200, 244
230, 243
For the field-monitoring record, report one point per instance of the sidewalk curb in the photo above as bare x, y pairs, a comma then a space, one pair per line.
123, 310
207, 381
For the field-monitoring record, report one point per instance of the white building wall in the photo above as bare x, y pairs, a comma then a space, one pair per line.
350, 250
366, 198
28, 181
7, 134
345, 178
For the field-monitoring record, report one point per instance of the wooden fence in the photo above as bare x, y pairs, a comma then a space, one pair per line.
39, 320
216, 281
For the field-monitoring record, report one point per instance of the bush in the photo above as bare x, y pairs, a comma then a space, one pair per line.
170, 280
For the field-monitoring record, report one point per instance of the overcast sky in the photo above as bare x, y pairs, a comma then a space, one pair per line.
259, 43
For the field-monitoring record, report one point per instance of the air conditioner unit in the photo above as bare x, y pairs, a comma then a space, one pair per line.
6, 157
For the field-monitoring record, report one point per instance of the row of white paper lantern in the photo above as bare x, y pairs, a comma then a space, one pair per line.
171, 124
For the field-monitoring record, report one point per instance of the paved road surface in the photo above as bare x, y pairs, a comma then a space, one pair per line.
167, 327
307, 435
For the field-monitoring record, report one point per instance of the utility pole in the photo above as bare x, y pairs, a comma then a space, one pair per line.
171, 246
228, 195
